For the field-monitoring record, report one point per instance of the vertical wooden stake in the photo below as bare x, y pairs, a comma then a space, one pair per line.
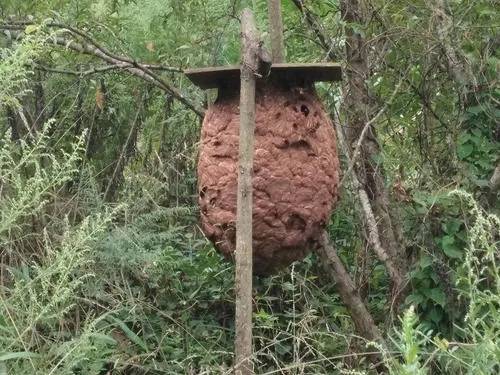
276, 30
243, 278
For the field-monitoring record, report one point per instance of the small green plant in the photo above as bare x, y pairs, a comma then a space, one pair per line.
410, 342
30, 171
38, 293
39, 299
14, 72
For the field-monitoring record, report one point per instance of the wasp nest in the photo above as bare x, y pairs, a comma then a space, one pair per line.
295, 180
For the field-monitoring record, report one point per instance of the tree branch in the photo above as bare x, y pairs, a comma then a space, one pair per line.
371, 223
418, 92
364, 132
143, 71
363, 321
101, 69
81, 73
316, 26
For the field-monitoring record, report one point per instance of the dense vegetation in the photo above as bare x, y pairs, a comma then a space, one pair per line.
103, 269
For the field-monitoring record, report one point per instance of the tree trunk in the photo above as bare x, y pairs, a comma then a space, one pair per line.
243, 277
276, 31
358, 111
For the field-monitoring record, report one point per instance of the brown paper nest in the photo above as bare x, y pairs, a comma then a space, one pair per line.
295, 180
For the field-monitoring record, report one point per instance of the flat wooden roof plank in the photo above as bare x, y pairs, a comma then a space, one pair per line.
213, 77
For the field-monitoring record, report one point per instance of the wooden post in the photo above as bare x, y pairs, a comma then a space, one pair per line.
276, 30
243, 278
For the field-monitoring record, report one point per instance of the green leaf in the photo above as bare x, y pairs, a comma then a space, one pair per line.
414, 299
463, 138
475, 109
261, 314
465, 150
425, 261
30, 29
17, 355
108, 340
283, 348
452, 226
477, 133
437, 295
450, 248
436, 314
447, 240
130, 334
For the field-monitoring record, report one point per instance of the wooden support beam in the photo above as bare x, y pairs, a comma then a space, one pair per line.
243, 278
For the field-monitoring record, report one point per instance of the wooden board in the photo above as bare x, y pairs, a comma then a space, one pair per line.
213, 77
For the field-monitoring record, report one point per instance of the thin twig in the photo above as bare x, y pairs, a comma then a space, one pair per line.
315, 25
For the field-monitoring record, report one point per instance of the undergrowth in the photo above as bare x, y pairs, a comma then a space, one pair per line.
128, 291
422, 351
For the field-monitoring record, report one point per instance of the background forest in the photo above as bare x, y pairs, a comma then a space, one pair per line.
103, 269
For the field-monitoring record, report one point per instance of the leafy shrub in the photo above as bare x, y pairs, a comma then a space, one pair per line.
424, 351
38, 297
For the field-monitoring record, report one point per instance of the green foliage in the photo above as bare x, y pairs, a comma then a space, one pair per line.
38, 297
438, 257
478, 282
13, 72
30, 172
130, 286
409, 341
41, 297
476, 146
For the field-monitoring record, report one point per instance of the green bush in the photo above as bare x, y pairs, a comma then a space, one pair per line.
425, 351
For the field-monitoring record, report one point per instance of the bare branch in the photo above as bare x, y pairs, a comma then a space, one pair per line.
360, 315
415, 89
120, 163
81, 73
101, 69
143, 71
371, 223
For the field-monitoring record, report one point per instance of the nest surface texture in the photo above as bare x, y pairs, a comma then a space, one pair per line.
295, 180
